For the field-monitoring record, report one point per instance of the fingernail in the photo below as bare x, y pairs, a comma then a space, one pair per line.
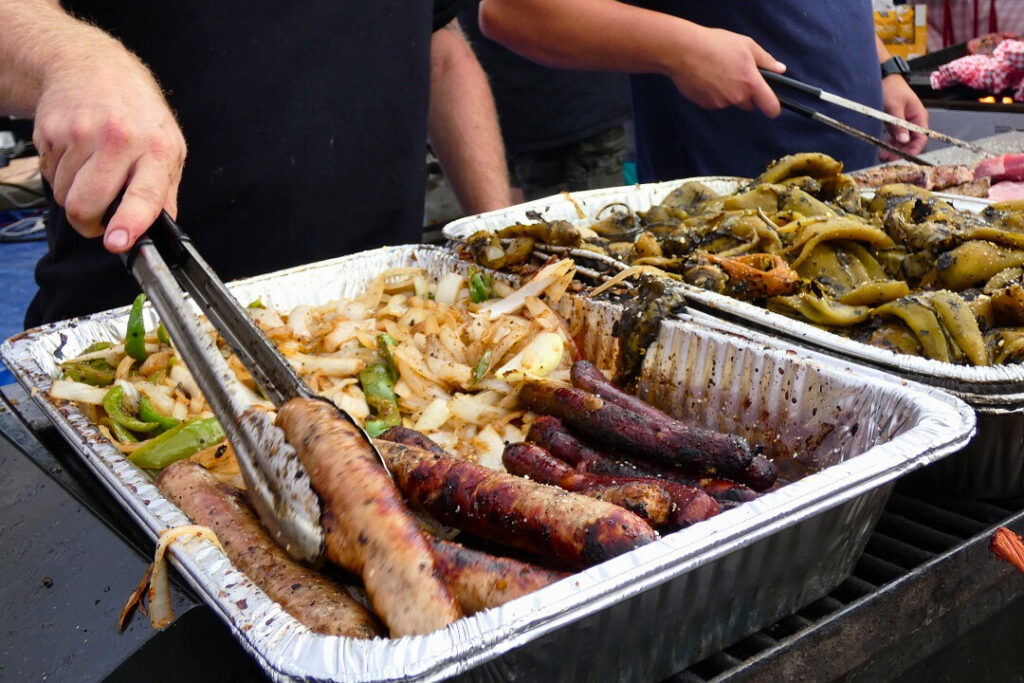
117, 239
779, 66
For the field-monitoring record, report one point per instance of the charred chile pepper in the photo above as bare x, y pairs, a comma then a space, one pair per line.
380, 396
135, 337
147, 413
177, 443
113, 403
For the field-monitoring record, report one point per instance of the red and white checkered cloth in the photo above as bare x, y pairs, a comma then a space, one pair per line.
1003, 70
956, 21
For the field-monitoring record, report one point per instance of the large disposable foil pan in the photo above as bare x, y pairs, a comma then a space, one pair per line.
642, 615
991, 467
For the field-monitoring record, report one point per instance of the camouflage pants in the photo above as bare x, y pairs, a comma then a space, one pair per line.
593, 162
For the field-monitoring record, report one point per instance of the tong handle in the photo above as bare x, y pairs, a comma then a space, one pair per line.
773, 77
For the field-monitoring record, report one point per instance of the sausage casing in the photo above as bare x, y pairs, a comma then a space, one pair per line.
309, 597
549, 522
368, 528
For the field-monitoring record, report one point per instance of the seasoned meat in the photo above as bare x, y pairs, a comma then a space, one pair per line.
667, 441
567, 528
311, 598
368, 528
645, 499
481, 580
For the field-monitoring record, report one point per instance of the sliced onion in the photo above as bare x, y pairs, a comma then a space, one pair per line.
159, 594
544, 278
78, 391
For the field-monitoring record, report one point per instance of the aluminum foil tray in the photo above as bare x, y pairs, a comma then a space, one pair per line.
642, 615
991, 467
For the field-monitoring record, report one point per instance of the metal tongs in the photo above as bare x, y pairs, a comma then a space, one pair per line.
164, 262
838, 100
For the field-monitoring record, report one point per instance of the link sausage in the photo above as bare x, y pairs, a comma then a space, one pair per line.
368, 528
309, 597
551, 523
667, 441
481, 580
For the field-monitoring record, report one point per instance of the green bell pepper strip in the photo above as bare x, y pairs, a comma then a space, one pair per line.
380, 396
135, 337
96, 373
96, 346
148, 413
119, 432
113, 403
177, 443
384, 343
161, 334
479, 288
482, 366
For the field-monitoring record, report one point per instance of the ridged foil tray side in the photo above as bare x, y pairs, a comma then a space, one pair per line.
644, 614
997, 386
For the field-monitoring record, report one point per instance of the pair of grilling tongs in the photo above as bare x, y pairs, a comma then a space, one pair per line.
778, 79
164, 261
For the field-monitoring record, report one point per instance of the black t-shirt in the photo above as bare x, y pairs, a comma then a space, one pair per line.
540, 107
306, 125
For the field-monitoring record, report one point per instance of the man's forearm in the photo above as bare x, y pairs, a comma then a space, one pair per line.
38, 39
463, 125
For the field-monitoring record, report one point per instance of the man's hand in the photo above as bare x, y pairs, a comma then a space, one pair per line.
103, 126
719, 69
899, 100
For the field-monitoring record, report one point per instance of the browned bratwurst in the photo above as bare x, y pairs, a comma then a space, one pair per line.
552, 435
759, 474
545, 520
368, 528
645, 499
668, 441
481, 580
309, 597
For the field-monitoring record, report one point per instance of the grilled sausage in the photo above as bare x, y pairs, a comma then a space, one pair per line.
686, 504
759, 475
667, 441
410, 437
309, 597
368, 528
551, 434
586, 376
481, 580
551, 523
645, 499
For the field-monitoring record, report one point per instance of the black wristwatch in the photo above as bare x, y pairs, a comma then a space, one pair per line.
895, 65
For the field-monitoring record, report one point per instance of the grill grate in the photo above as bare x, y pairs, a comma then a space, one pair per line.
914, 528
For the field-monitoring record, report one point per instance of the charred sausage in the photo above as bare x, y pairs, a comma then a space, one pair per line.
552, 435
481, 580
368, 528
667, 441
645, 499
547, 521
311, 598
410, 437
759, 475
